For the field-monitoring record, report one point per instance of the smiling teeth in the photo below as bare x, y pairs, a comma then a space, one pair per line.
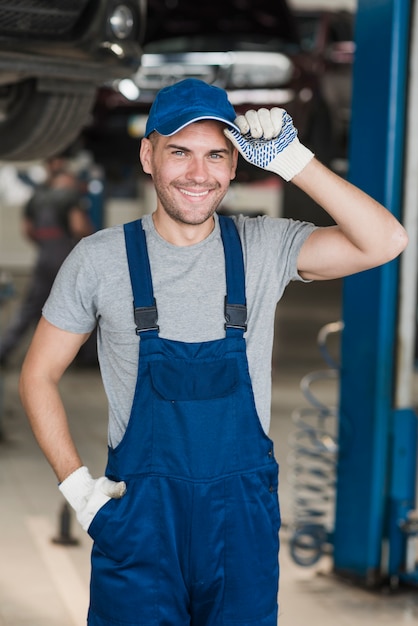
194, 194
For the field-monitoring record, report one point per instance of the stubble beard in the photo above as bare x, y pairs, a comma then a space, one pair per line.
189, 217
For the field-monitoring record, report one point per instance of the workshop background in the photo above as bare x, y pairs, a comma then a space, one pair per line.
345, 383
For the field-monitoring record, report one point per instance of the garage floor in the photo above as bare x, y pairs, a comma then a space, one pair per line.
45, 584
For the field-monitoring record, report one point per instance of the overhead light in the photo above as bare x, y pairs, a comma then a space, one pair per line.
234, 70
260, 69
122, 21
273, 97
128, 89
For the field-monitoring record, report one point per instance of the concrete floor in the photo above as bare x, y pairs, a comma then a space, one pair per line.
44, 584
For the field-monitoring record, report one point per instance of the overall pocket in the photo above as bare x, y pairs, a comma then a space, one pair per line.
120, 529
125, 556
194, 410
189, 380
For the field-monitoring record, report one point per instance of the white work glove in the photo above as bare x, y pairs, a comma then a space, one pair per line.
269, 140
87, 495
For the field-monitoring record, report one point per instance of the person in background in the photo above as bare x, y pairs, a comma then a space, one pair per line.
185, 520
54, 219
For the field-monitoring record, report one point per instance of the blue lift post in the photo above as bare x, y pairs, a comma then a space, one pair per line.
376, 466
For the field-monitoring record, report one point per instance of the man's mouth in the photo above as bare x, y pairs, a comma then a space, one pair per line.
194, 194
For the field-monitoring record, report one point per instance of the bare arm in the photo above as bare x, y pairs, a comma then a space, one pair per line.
50, 353
366, 234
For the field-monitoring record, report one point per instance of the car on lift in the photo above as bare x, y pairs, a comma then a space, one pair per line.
54, 54
254, 50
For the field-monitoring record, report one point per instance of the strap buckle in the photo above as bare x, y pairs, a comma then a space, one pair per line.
146, 318
235, 316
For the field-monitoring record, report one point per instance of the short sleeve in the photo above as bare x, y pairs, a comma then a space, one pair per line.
72, 303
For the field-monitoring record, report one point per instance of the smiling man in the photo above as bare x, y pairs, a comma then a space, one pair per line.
191, 174
185, 521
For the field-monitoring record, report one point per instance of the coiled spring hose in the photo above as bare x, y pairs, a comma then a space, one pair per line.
312, 461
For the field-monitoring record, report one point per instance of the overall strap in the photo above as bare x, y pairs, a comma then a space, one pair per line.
235, 301
145, 308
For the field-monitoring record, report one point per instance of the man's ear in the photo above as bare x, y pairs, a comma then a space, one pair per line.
234, 164
145, 154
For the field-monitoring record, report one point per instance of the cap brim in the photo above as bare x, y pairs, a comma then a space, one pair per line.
175, 126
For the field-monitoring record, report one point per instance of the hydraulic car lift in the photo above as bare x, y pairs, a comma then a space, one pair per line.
375, 538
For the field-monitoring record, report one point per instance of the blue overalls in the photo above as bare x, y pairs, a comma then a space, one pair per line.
195, 539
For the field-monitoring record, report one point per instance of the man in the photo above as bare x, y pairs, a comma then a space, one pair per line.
185, 523
54, 219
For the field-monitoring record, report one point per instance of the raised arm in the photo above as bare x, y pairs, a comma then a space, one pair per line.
366, 234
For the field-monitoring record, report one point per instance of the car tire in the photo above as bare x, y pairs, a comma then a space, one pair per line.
36, 124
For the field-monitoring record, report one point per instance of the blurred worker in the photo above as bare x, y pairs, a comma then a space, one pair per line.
185, 522
54, 220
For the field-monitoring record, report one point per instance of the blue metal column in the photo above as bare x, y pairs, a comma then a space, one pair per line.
370, 298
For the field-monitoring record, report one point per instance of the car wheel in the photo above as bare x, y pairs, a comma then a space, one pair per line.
36, 124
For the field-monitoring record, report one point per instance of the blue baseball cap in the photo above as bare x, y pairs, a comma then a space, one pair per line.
188, 101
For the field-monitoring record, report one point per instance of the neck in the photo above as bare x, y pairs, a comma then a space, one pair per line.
180, 234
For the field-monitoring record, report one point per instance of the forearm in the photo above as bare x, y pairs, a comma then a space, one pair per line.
365, 235
46, 414
50, 353
47, 417
363, 221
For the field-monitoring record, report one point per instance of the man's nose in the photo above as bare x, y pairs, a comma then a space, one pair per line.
197, 170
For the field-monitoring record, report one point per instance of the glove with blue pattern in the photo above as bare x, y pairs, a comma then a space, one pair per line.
269, 140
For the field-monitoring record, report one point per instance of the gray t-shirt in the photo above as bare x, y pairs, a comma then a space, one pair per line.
93, 286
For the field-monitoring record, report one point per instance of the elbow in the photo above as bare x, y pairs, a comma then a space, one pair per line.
399, 241
395, 243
